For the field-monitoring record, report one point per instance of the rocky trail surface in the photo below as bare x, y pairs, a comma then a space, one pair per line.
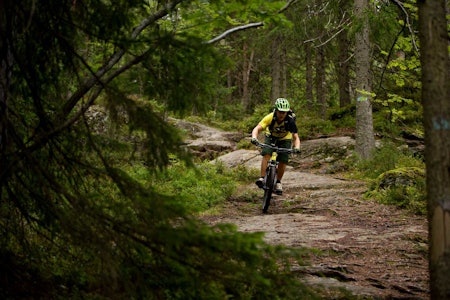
370, 250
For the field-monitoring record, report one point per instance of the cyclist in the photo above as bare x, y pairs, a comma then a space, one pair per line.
280, 129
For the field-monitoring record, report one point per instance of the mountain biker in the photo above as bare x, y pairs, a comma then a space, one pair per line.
280, 129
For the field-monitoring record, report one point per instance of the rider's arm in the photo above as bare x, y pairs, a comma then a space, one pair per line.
262, 125
256, 131
296, 139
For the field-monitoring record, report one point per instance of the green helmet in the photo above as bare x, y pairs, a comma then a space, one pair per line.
282, 104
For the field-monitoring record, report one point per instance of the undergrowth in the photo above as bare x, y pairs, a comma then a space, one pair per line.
198, 189
395, 176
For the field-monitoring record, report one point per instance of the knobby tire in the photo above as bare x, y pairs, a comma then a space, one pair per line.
269, 187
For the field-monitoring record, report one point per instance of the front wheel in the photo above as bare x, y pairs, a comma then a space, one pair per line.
269, 187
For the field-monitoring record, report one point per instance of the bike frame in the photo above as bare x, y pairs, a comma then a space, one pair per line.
272, 163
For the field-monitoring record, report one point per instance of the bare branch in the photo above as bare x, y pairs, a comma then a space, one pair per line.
343, 23
243, 27
229, 31
155, 17
289, 3
332, 37
411, 31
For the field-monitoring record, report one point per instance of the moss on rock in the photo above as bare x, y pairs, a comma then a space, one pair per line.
406, 176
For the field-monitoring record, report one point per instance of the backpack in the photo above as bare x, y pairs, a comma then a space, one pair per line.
289, 121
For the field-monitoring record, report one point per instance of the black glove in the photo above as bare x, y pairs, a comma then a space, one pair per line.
254, 141
297, 151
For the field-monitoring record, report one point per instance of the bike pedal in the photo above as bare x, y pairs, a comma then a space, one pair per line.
279, 192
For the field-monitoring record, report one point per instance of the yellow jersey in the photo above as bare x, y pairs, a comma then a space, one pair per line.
279, 130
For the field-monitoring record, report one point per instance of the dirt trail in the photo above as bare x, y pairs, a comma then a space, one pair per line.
374, 251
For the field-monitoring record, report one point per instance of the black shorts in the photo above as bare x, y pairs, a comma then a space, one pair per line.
282, 157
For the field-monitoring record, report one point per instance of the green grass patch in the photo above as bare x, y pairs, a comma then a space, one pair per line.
199, 188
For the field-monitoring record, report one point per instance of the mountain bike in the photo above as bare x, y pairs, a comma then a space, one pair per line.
270, 179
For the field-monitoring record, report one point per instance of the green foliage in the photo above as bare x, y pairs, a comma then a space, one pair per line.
387, 157
395, 114
250, 121
398, 66
383, 126
343, 117
403, 187
245, 144
228, 117
75, 223
198, 189
310, 126
396, 177
243, 174
204, 17
181, 64
400, 98
225, 117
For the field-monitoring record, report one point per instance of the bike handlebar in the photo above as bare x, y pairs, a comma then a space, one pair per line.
276, 149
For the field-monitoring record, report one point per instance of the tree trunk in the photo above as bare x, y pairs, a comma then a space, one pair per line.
283, 71
247, 65
229, 85
436, 104
309, 77
5, 79
343, 68
365, 141
276, 69
320, 82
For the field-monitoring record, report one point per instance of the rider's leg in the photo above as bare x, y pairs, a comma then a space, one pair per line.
280, 172
283, 158
264, 163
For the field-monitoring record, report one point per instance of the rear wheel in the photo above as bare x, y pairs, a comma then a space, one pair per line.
269, 187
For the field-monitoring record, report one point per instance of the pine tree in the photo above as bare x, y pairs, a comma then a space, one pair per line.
73, 223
